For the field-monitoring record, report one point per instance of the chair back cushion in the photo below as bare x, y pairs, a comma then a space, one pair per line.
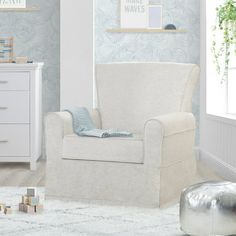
131, 93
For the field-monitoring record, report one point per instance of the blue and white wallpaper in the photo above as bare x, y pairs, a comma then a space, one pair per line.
37, 36
180, 47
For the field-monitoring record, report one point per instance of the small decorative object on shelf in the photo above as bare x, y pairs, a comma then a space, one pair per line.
138, 16
21, 60
6, 50
155, 16
170, 27
7, 210
31, 203
133, 14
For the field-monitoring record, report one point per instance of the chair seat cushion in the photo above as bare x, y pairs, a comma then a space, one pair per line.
119, 149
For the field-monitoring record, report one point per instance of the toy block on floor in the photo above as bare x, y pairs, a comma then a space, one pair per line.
2, 206
39, 208
31, 192
25, 199
21, 207
33, 201
7, 210
29, 209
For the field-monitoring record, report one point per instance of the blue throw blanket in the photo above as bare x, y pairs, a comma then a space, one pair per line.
84, 126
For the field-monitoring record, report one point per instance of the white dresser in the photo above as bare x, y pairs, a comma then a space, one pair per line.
21, 113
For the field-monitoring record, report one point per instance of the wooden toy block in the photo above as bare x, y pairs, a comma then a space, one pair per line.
25, 208
33, 201
2, 206
39, 208
25, 200
21, 207
21, 60
29, 209
31, 192
7, 210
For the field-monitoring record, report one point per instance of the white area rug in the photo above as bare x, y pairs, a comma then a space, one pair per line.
61, 218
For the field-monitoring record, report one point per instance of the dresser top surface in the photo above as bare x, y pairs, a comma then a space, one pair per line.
21, 66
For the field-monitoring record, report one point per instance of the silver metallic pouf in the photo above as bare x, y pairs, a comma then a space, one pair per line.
209, 209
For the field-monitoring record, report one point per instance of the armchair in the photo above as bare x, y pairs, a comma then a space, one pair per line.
151, 100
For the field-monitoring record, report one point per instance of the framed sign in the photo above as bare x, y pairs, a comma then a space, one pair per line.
12, 3
133, 13
155, 16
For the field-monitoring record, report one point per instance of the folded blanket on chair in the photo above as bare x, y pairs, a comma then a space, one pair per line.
84, 126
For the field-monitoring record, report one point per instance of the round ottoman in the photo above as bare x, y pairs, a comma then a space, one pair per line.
209, 209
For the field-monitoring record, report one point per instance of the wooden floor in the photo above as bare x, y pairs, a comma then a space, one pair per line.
19, 175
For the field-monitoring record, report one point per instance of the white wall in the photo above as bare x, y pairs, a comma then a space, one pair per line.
217, 134
77, 61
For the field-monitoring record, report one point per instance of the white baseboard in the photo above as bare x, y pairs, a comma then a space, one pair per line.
223, 169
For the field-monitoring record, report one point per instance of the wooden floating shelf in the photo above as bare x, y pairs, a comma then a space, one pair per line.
120, 30
27, 9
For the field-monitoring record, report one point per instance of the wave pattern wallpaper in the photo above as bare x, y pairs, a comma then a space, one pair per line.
37, 36
182, 47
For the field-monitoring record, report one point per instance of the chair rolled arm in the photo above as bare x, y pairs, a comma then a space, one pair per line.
158, 129
174, 123
58, 125
63, 121
60, 121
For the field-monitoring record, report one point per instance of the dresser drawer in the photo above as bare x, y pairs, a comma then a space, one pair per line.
14, 81
14, 140
14, 107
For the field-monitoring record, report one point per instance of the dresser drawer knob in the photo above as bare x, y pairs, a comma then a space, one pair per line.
3, 141
3, 108
3, 82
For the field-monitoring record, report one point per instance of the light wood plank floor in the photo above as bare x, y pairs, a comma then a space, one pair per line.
19, 175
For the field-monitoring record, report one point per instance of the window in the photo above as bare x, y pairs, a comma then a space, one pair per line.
220, 96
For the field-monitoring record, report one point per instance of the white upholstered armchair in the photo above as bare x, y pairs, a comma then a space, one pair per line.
151, 100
